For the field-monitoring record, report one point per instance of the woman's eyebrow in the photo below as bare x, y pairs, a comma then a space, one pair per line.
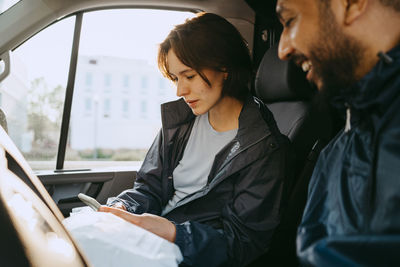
181, 72
184, 71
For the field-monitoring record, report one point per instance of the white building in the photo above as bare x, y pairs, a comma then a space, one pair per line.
116, 103
13, 101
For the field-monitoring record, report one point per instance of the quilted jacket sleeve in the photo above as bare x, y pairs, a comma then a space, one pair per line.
147, 191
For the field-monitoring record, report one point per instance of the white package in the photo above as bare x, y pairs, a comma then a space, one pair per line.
108, 240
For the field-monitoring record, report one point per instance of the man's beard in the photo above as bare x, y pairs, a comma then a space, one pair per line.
335, 65
335, 58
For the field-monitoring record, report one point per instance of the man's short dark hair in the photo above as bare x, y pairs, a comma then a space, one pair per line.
390, 3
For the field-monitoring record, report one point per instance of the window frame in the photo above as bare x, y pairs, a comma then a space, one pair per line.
69, 92
66, 116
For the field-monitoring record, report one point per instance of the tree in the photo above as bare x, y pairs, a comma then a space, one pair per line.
44, 113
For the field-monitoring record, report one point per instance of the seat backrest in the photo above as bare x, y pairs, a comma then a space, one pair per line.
282, 86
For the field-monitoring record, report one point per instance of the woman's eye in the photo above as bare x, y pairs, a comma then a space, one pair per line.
190, 77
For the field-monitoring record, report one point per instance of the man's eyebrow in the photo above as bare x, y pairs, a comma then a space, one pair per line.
280, 9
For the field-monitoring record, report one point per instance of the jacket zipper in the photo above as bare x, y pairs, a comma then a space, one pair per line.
348, 118
214, 182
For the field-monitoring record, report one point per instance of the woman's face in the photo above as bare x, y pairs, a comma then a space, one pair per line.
196, 92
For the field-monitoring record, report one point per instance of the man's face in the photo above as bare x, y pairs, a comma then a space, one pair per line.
314, 40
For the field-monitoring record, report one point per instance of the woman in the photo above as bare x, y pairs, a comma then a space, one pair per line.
212, 182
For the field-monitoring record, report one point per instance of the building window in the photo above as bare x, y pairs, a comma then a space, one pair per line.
161, 86
144, 82
161, 83
143, 109
107, 80
88, 105
89, 79
126, 81
125, 108
107, 107
92, 61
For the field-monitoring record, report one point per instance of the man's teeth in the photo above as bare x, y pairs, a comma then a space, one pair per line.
306, 66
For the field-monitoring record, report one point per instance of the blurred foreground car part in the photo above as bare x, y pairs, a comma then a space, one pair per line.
32, 234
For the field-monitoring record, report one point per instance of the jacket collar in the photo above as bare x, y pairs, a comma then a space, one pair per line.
376, 90
251, 128
175, 113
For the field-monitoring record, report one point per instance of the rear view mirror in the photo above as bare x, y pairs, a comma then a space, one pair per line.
4, 65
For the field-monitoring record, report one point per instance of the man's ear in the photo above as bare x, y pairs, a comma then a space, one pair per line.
354, 9
225, 73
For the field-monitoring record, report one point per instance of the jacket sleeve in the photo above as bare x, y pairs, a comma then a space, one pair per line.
354, 250
375, 245
249, 220
316, 248
147, 191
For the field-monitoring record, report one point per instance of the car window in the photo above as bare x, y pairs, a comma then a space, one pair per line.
118, 89
32, 95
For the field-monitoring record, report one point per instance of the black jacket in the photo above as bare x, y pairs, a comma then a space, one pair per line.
231, 220
352, 217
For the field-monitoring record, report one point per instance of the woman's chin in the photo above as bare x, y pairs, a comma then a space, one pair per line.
197, 111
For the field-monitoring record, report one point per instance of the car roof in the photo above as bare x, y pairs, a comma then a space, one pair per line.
27, 17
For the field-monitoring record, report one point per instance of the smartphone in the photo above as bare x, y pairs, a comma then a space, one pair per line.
91, 202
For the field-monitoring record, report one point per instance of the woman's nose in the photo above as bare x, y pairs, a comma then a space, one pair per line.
181, 89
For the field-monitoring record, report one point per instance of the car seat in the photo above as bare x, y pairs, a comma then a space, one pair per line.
282, 86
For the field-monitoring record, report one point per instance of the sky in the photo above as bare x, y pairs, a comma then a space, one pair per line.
125, 33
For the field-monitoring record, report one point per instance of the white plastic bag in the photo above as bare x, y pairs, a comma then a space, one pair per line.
108, 240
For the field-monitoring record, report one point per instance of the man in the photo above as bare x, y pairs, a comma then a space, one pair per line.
351, 50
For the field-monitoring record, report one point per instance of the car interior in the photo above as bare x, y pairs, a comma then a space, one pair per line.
47, 195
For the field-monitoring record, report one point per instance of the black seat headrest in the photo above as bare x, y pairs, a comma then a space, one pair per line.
278, 80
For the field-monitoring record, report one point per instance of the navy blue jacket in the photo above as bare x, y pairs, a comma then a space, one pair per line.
231, 220
352, 216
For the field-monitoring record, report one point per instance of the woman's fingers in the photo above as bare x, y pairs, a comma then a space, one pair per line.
119, 205
153, 223
130, 217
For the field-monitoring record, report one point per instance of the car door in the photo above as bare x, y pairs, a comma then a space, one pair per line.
83, 98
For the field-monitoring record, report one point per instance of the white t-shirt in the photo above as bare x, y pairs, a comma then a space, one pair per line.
193, 169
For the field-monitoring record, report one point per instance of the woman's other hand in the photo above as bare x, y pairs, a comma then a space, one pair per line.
153, 223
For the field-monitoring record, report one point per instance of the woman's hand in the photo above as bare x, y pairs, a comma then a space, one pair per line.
119, 205
153, 223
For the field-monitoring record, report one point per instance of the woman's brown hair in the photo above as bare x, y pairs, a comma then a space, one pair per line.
209, 41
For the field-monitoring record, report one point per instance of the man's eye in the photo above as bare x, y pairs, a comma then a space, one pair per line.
190, 77
289, 22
